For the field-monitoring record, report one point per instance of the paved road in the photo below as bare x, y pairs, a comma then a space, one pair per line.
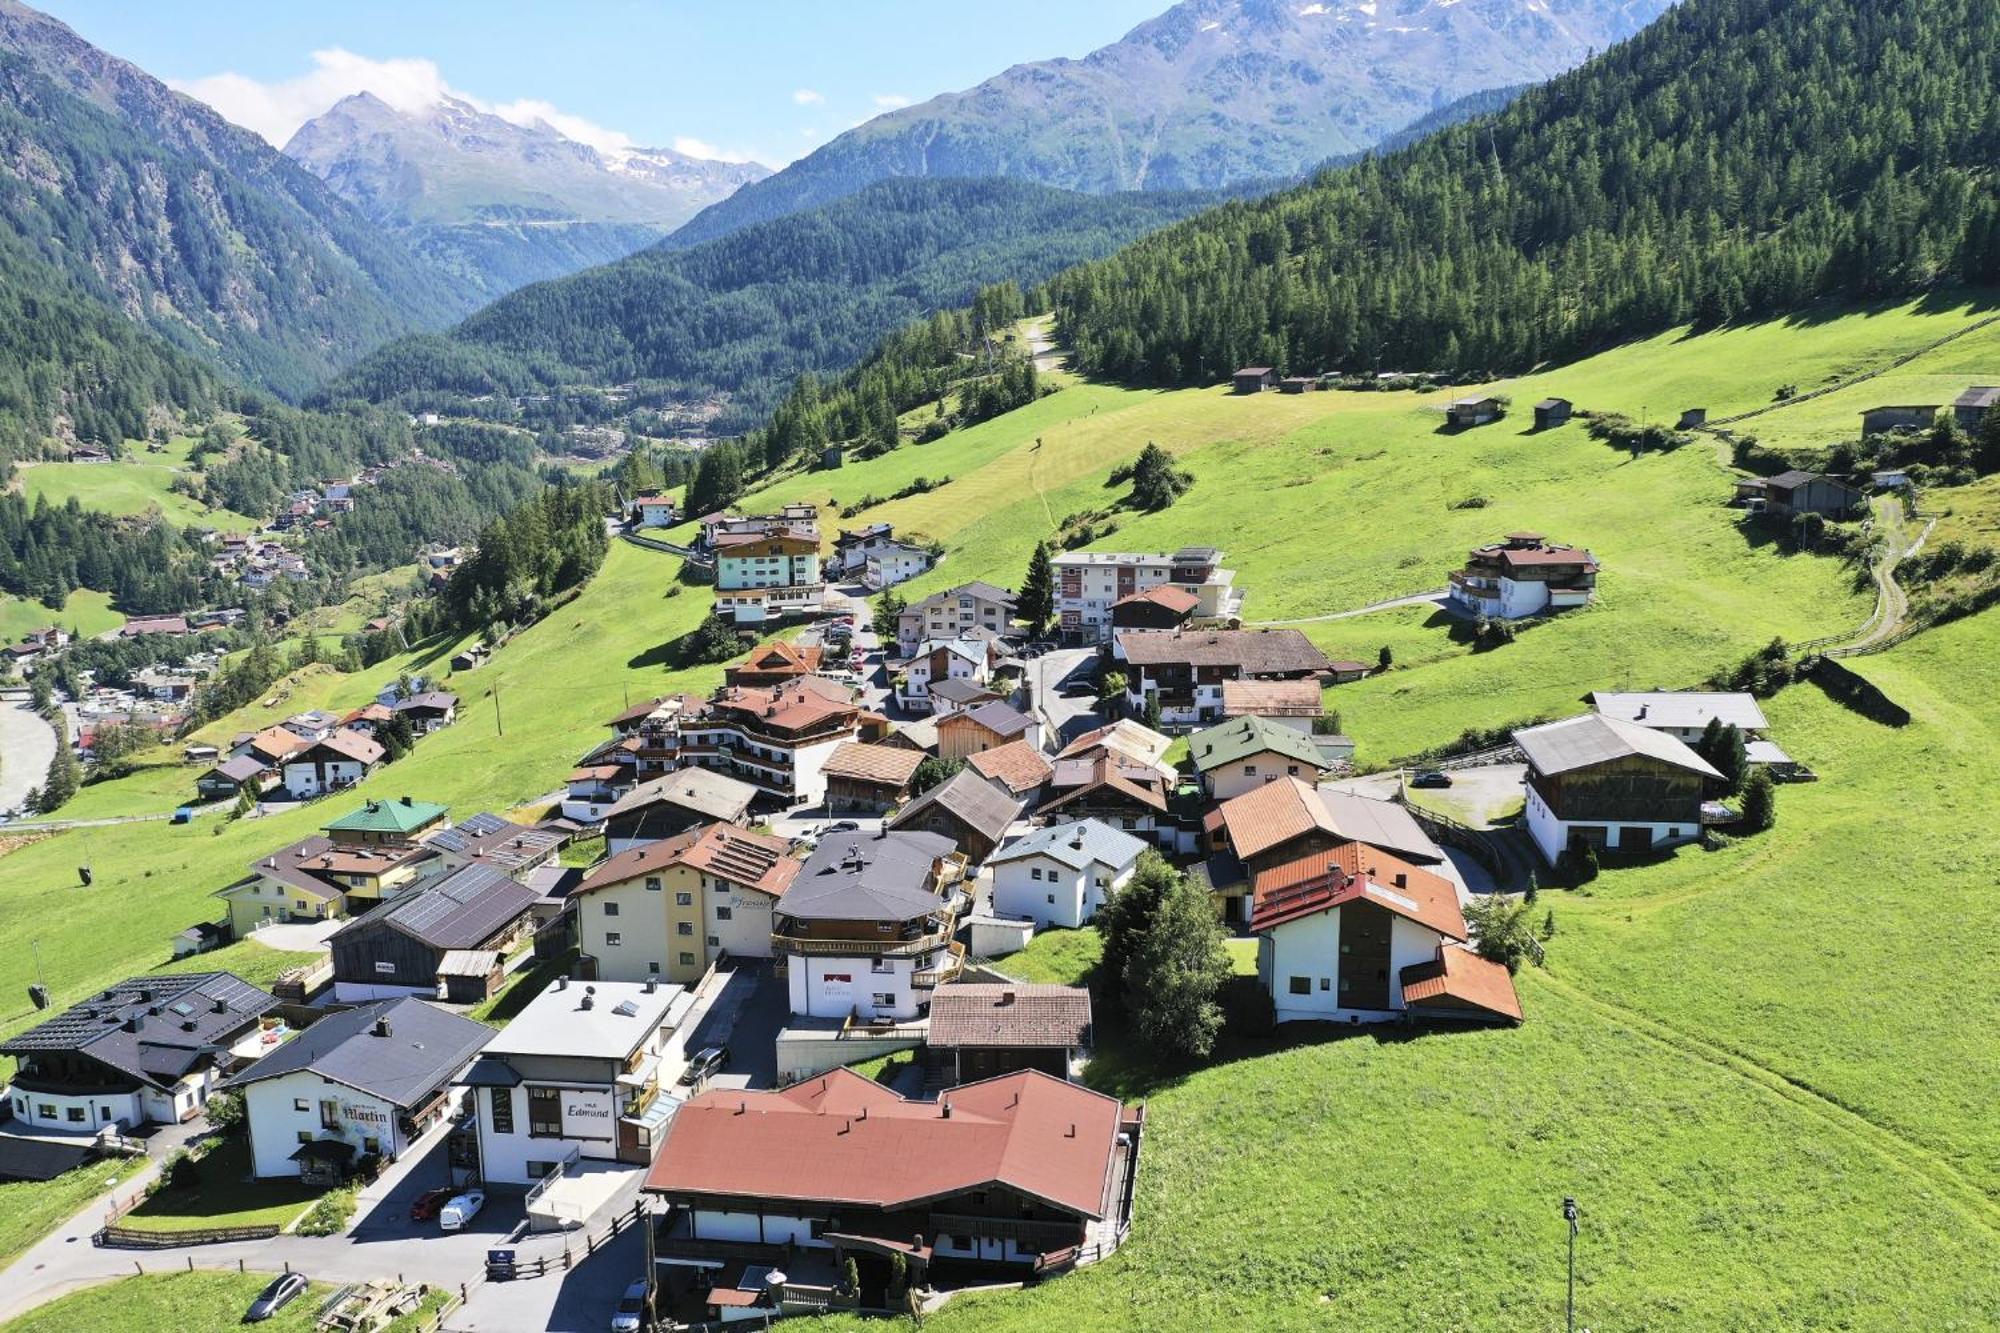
1415, 599
1066, 716
27, 744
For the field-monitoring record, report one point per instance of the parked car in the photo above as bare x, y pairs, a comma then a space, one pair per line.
704, 1062
461, 1210
842, 826
425, 1206
1431, 778
281, 1292
631, 1310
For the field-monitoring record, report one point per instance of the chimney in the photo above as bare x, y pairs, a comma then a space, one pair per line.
585, 1003
1402, 880
650, 981
406, 800
220, 1006
381, 1028
135, 1023
562, 983
1006, 997
944, 1110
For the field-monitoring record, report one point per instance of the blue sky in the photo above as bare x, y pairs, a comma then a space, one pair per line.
766, 81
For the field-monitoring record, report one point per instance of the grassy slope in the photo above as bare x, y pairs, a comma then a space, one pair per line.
125, 488
225, 1197
85, 612
184, 1302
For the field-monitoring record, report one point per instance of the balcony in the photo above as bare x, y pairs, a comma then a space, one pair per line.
948, 970
1031, 1232
885, 947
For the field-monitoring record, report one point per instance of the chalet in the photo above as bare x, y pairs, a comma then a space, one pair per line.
428, 711
1972, 408
974, 813
868, 779
149, 1050
947, 614
363, 1082
270, 747
1797, 492
234, 777
866, 928
317, 879
1552, 412
1017, 768
313, 725
953, 695
1615, 785
770, 568
1165, 606
1024, 1173
936, 661
369, 719
674, 803
1338, 934
1184, 673
579, 1075
851, 548
1235, 756
894, 563
1061, 874
1133, 744
138, 625
1683, 714
402, 947
1114, 791
200, 938
1898, 416
591, 790
516, 850
1524, 575
1254, 379
987, 1030
1297, 384
774, 664
1464, 413
399, 823
673, 908
985, 727
88, 453
1091, 584
341, 760
777, 738
653, 509
1281, 821
918, 734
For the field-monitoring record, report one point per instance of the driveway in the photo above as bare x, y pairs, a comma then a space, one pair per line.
1480, 797
1064, 716
746, 1017
297, 936
27, 744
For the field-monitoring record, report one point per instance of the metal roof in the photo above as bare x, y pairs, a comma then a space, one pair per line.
398, 816
972, 800
422, 1049
464, 909
1592, 739
884, 876
1076, 845
1676, 709
178, 1019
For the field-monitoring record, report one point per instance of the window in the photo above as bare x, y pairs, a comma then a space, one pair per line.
687, 959
536, 1169
714, 941
1249, 770
653, 884
1035, 873
723, 914
329, 1114
1325, 984
545, 1113
1051, 897
883, 1000
612, 939
684, 899
104, 1113
75, 1114
683, 927
503, 1110
653, 967
372, 1146
1292, 769
611, 909
1302, 985
301, 1104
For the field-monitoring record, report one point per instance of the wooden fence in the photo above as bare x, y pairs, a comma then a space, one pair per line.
115, 1237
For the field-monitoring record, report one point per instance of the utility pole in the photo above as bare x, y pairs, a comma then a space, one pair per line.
1570, 1216
498, 727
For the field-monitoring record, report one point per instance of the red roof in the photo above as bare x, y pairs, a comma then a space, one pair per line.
1163, 595
845, 1139
1459, 978
1315, 881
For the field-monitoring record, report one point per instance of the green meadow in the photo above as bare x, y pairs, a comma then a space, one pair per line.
127, 486
84, 612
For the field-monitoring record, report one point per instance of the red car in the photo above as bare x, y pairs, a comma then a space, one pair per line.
427, 1204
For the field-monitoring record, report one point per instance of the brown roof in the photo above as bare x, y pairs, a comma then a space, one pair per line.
872, 763
1017, 766
778, 659
278, 742
1272, 698
1258, 652
1427, 898
970, 799
1010, 1014
844, 1139
1272, 815
1105, 773
1460, 978
751, 860
351, 745
797, 705
1339, 888
1164, 595
638, 711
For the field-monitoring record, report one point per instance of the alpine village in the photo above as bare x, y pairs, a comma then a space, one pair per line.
1229, 665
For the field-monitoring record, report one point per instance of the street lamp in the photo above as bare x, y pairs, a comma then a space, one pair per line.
1570, 1216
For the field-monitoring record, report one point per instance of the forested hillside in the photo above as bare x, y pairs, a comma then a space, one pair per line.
746, 314
1739, 157
153, 204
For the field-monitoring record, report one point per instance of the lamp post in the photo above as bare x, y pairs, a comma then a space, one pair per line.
1570, 1216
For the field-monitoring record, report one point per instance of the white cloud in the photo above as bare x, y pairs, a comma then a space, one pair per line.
890, 101
807, 97
701, 148
276, 110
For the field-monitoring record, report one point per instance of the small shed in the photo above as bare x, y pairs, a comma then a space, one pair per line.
1882, 419
1693, 418
1552, 412
1297, 384
468, 976
1971, 408
983, 1031
1254, 379
1462, 413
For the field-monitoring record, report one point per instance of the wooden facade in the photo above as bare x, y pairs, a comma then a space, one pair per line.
1633, 790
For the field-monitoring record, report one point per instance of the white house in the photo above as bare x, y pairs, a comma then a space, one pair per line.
1341, 933
1614, 785
1089, 583
893, 563
939, 660
1524, 575
368, 1081
1061, 875
651, 509
584, 1072
340, 760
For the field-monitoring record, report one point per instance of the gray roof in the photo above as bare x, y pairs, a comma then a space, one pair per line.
424, 1048
497, 841
1979, 395
1383, 824
714, 795
461, 911
1592, 739
1002, 719
976, 588
440, 701
1076, 845
243, 768
975, 802
956, 690
868, 877
1671, 709
180, 1018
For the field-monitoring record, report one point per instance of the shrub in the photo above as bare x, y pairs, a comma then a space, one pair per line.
1500, 925
1760, 802
226, 1112
331, 1214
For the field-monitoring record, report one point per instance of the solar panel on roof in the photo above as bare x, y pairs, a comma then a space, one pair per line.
625, 1009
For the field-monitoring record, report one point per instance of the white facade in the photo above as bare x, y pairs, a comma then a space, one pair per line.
1308, 949
1052, 893
1206, 708
317, 779
78, 1113
964, 659
1552, 835
655, 513
876, 989
1089, 582
301, 1107
893, 565
738, 920
1247, 774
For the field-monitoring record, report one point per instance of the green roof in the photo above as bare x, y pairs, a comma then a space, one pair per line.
401, 816
1242, 737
